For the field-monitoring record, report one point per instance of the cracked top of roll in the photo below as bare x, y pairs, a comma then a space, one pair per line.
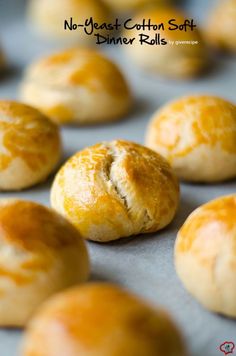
116, 189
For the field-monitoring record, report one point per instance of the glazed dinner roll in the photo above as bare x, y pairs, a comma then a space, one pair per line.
130, 5
205, 255
77, 86
197, 135
116, 189
101, 320
48, 17
221, 26
186, 58
30, 146
41, 253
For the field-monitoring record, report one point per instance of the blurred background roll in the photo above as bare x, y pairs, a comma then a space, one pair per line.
80, 86
174, 60
221, 26
48, 17
101, 320
122, 6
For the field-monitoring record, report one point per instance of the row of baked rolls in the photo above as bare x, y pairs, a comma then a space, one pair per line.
205, 262
219, 30
39, 247
176, 60
42, 253
48, 18
195, 134
181, 60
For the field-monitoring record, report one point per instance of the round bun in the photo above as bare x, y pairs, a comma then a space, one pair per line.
130, 5
197, 135
77, 86
221, 26
116, 189
48, 17
41, 253
205, 255
30, 146
172, 60
101, 320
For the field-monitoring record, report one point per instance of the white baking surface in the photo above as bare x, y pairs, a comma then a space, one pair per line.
143, 264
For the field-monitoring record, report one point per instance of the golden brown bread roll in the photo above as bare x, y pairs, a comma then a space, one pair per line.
48, 16
197, 135
41, 253
130, 5
221, 26
205, 255
182, 60
116, 189
101, 320
77, 86
30, 146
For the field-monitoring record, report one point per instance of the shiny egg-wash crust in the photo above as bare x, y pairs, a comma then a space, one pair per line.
114, 190
41, 253
205, 255
197, 135
101, 320
30, 146
78, 86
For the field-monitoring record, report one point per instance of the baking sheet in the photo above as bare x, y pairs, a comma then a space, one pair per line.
143, 264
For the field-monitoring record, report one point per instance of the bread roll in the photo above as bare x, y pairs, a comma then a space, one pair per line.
176, 60
30, 146
221, 26
41, 253
205, 255
77, 86
48, 16
131, 5
116, 189
197, 135
101, 320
